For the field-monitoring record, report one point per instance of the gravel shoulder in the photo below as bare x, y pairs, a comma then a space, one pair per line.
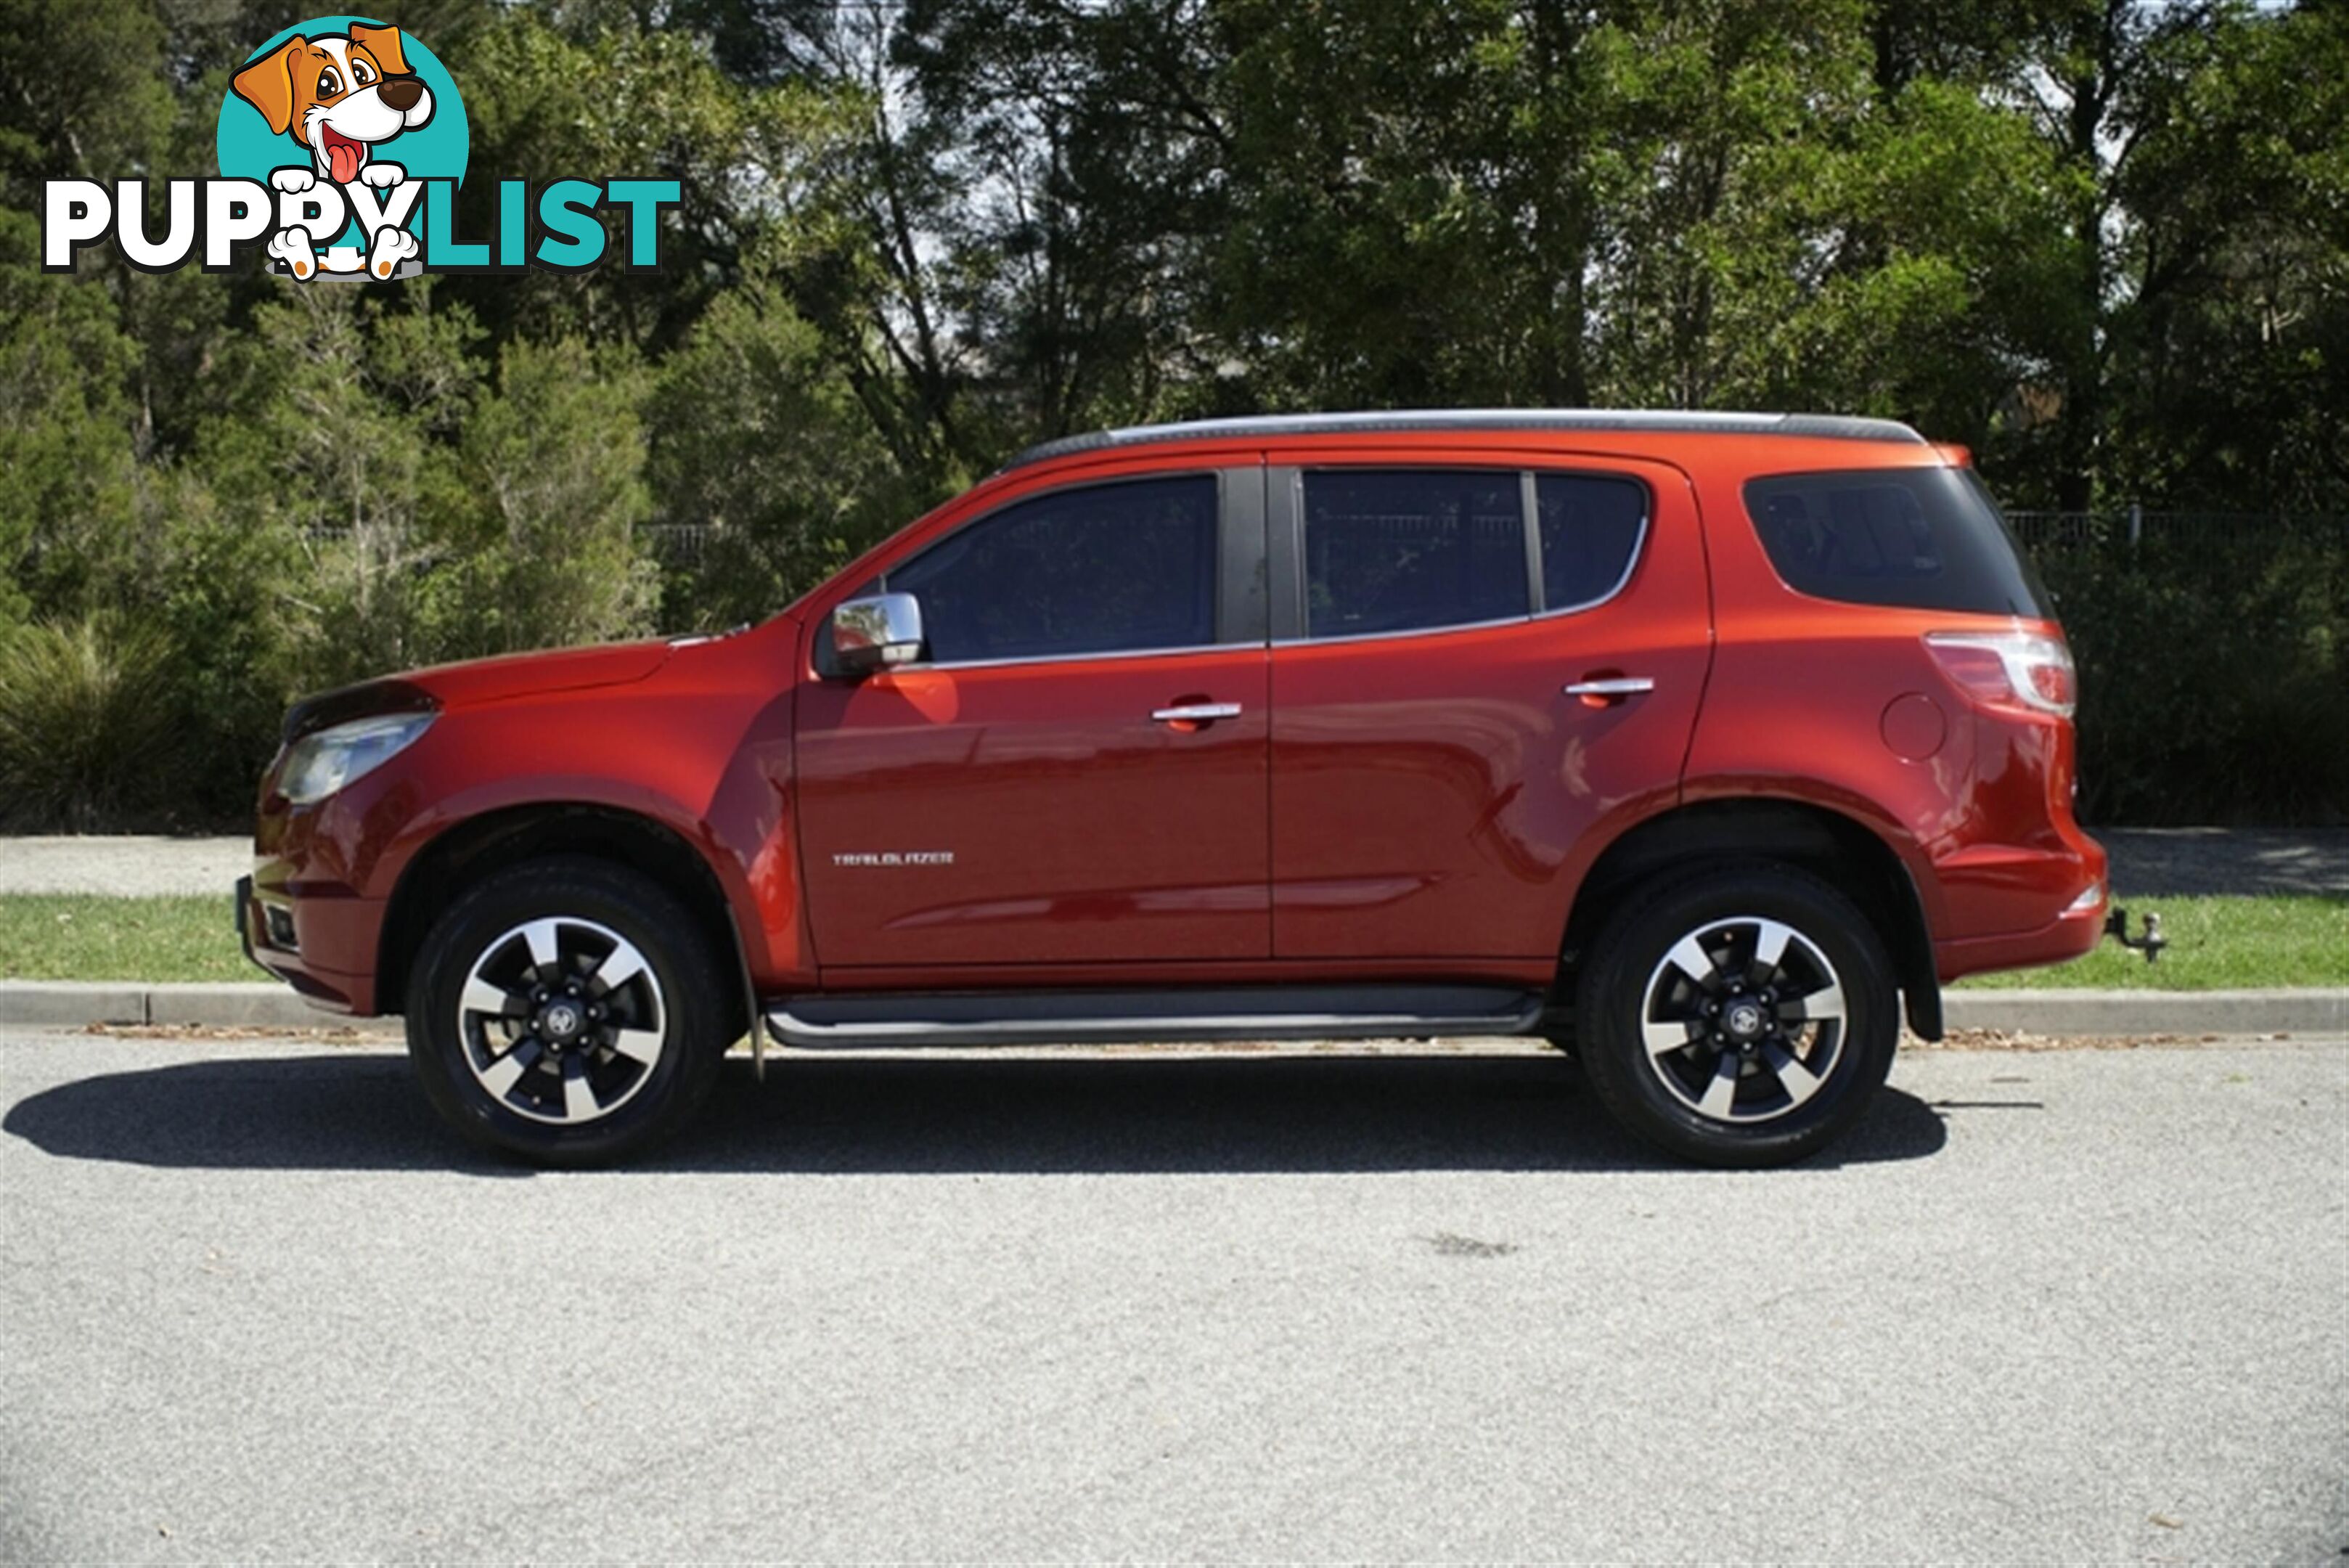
133, 865
2189, 862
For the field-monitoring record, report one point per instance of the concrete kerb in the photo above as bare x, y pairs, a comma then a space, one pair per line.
71, 1003
2322, 1014
226, 1004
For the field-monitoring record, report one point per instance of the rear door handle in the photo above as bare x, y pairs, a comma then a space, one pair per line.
1613, 686
1196, 712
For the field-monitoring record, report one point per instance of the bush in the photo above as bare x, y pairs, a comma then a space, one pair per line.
86, 730
2214, 675
758, 444
547, 553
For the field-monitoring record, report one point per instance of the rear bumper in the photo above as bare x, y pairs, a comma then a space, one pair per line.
2039, 898
2061, 939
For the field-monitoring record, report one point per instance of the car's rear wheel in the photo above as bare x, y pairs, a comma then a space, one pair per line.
1742, 1017
566, 1010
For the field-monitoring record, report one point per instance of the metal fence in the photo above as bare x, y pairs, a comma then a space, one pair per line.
2136, 528
680, 545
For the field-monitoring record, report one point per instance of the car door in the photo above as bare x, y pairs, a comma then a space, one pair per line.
1074, 771
1473, 671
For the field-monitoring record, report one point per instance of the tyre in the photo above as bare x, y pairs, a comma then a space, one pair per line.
567, 1011
1740, 1017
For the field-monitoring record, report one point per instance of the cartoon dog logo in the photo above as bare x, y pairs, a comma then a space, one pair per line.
342, 96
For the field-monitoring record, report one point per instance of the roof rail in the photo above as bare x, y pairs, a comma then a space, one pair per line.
1405, 421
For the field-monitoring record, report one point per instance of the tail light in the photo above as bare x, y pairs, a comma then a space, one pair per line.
2009, 669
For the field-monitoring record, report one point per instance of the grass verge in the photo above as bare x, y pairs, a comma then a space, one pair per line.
75, 936
2215, 944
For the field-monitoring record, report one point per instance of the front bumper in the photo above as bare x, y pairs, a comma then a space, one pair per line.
310, 938
246, 909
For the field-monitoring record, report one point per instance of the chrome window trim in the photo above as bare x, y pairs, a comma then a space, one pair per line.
1078, 658
1414, 632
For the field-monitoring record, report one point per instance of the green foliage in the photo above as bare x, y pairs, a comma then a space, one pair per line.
759, 440
45, 936
2233, 357
2102, 245
88, 90
331, 428
2215, 944
546, 102
222, 591
550, 467
67, 468
2214, 675
1419, 219
84, 722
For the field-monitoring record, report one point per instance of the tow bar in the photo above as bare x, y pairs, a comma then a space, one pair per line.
2151, 944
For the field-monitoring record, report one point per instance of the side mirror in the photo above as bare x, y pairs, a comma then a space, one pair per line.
874, 633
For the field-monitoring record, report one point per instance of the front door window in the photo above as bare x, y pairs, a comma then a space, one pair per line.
1114, 568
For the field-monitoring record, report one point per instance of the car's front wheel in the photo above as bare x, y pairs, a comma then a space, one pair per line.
1742, 1017
566, 1010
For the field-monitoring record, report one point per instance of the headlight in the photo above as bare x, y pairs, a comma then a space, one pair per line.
324, 761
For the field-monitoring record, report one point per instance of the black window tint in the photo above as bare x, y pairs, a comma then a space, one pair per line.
1108, 569
1918, 538
1589, 529
1393, 551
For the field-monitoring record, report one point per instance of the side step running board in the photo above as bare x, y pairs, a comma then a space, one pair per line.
1109, 1017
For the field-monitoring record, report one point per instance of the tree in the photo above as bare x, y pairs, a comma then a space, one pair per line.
1415, 197
1087, 162
331, 430
758, 439
551, 469
545, 103
2231, 362
68, 470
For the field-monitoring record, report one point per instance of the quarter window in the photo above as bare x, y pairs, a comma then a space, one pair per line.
1110, 568
1915, 538
1394, 550
1590, 529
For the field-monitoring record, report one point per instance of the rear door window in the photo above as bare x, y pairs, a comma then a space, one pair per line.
1394, 550
1914, 538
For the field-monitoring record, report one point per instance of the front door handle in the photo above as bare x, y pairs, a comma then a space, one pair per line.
1612, 686
1196, 712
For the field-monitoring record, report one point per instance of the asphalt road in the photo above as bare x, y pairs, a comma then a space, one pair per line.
2077, 1306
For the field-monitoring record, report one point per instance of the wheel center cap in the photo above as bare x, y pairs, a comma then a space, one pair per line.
563, 1019
1743, 1019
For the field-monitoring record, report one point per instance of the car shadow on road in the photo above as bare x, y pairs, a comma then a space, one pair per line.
961, 1115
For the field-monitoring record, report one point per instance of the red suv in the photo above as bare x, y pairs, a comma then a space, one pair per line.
1704, 745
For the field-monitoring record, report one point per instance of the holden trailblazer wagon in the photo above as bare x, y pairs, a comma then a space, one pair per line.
1707, 746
